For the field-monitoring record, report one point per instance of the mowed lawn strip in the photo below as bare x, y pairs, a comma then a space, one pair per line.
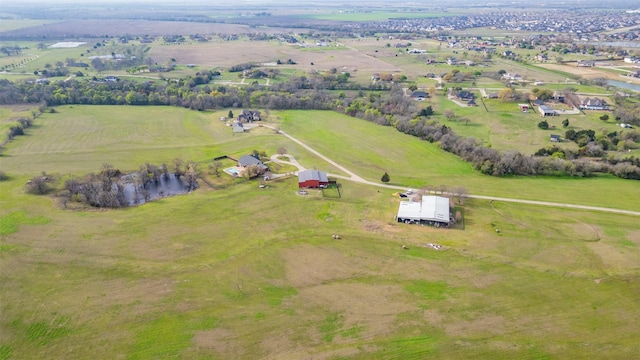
370, 150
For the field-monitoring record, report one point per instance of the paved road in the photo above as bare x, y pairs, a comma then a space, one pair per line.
353, 177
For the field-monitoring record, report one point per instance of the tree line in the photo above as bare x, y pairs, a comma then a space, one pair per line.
388, 108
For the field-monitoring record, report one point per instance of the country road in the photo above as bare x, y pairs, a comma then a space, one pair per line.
354, 177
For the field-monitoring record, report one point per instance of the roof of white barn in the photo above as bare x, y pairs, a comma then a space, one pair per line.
409, 210
431, 208
435, 208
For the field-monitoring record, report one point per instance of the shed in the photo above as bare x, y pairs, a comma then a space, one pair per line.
238, 128
546, 111
312, 179
554, 138
431, 209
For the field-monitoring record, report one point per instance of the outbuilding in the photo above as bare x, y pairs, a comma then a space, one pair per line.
312, 179
432, 210
546, 111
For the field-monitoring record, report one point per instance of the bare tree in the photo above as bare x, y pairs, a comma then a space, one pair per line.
38, 185
282, 151
191, 176
449, 115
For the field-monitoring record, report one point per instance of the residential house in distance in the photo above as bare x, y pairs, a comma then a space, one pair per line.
419, 95
546, 111
452, 61
312, 179
464, 95
554, 138
248, 160
558, 96
542, 57
512, 76
635, 73
586, 63
594, 104
249, 116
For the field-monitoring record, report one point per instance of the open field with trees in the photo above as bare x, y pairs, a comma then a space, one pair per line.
372, 150
232, 266
185, 277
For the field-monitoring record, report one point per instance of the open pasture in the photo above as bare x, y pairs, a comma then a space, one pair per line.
97, 28
371, 150
79, 139
185, 277
505, 127
243, 272
229, 53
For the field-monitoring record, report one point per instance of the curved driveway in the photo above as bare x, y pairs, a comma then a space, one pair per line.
353, 177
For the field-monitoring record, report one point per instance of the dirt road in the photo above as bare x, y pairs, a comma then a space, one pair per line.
353, 177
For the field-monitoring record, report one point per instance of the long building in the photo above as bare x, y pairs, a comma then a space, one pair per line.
432, 210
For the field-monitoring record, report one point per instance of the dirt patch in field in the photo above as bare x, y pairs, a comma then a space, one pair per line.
279, 346
615, 257
634, 237
220, 340
433, 317
586, 72
228, 53
373, 307
95, 27
483, 324
586, 232
307, 265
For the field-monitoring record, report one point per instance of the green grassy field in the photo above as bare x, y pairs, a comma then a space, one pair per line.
243, 272
371, 151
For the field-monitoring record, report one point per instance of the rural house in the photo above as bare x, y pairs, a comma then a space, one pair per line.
312, 179
249, 116
419, 95
431, 210
586, 63
554, 138
464, 95
594, 104
248, 160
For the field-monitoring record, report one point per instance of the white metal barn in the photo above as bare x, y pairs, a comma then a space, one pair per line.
433, 210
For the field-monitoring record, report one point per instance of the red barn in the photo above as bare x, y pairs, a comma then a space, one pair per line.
312, 179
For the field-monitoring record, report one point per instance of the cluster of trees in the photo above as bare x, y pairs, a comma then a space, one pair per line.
242, 67
626, 111
393, 109
106, 189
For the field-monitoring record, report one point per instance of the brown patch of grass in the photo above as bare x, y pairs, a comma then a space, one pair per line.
236, 52
374, 307
634, 236
306, 265
219, 340
483, 323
